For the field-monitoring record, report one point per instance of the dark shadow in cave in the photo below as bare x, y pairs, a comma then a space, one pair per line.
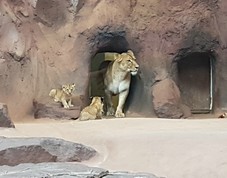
196, 81
116, 44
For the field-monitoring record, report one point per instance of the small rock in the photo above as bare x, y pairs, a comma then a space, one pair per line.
186, 110
5, 120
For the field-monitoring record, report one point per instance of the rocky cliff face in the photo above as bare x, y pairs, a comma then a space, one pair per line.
48, 43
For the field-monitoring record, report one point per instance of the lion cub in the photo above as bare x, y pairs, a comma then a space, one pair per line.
63, 95
93, 111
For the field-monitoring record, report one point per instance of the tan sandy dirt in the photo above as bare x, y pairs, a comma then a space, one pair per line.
168, 148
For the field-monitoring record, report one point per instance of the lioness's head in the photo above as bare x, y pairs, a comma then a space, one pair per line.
68, 89
127, 62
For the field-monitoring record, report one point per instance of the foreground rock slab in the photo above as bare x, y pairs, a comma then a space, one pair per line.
64, 170
14, 151
5, 120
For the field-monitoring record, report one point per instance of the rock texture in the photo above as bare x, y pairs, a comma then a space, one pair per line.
14, 151
166, 99
55, 111
5, 120
64, 170
45, 44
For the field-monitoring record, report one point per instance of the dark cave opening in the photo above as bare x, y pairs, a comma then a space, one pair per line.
106, 48
114, 43
196, 81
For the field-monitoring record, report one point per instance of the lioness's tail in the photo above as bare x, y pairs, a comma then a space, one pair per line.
53, 92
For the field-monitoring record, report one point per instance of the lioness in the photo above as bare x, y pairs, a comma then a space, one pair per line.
93, 111
117, 80
63, 95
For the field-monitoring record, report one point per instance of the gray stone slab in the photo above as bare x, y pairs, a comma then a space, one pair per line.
14, 151
64, 170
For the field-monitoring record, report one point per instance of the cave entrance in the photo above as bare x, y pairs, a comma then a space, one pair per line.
195, 81
108, 45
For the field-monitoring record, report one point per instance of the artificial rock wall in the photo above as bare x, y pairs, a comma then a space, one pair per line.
46, 43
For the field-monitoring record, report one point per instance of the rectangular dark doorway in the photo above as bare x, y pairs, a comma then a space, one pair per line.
195, 80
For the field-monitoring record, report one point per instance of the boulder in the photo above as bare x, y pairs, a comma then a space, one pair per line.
166, 99
64, 170
5, 120
14, 151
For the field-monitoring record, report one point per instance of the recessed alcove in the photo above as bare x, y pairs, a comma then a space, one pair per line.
196, 81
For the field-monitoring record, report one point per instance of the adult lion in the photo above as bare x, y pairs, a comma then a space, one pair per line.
117, 80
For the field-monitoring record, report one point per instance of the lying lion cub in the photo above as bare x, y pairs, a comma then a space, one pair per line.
93, 111
63, 95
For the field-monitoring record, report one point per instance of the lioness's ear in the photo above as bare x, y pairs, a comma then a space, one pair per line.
130, 51
131, 54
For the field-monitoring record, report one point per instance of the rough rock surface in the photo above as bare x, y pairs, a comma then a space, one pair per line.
64, 170
55, 111
48, 43
14, 151
5, 120
166, 99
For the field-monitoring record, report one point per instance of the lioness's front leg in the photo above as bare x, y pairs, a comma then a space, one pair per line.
109, 103
121, 101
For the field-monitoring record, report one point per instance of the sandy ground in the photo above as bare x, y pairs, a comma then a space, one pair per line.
168, 148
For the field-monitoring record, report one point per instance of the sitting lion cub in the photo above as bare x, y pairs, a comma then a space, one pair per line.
63, 95
93, 111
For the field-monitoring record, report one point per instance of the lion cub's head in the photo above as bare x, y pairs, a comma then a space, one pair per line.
98, 103
68, 89
127, 62
96, 100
